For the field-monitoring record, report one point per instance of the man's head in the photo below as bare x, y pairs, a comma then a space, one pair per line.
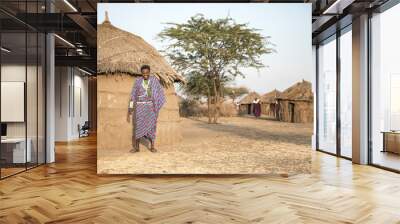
145, 70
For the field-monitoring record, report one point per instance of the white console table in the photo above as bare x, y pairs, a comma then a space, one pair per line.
18, 144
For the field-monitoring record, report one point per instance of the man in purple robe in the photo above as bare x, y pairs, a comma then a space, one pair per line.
147, 98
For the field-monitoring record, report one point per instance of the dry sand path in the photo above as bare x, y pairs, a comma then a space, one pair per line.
238, 145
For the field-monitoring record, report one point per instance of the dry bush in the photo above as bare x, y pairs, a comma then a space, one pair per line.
194, 108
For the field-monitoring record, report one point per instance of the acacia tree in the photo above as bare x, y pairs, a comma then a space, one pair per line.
214, 50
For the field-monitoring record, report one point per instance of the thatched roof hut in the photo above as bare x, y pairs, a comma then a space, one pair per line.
120, 56
269, 103
248, 99
296, 103
119, 51
245, 104
270, 97
301, 91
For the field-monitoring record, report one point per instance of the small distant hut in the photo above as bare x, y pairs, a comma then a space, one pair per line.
120, 55
296, 103
269, 103
246, 104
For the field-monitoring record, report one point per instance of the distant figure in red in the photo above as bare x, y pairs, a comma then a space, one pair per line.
257, 107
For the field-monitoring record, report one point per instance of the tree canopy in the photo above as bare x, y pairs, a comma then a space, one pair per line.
211, 52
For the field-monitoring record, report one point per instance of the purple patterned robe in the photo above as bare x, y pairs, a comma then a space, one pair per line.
146, 107
257, 109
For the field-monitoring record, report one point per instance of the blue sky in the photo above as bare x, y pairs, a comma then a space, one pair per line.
289, 26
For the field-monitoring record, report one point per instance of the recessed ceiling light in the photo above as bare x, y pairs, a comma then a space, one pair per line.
86, 72
338, 6
70, 5
64, 40
5, 50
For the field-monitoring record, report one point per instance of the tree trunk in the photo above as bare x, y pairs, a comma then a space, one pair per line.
217, 107
219, 98
209, 105
215, 100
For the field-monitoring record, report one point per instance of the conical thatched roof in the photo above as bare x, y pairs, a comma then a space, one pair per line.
299, 91
249, 98
123, 52
271, 96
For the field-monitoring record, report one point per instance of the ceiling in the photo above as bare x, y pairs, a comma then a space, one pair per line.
75, 21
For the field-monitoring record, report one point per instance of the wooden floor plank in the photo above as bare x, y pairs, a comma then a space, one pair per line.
70, 191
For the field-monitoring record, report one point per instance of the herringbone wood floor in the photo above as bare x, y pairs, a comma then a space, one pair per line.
69, 191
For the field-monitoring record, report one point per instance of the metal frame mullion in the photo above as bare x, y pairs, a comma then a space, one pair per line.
37, 91
369, 91
317, 97
26, 87
0, 97
44, 78
338, 76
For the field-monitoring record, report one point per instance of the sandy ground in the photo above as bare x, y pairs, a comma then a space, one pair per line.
238, 145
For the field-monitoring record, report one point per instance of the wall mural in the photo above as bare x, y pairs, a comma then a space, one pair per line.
214, 89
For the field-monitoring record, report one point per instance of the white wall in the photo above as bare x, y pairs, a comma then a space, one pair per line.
71, 87
61, 103
15, 72
81, 94
33, 127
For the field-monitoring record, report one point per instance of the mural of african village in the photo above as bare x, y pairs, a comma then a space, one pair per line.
226, 111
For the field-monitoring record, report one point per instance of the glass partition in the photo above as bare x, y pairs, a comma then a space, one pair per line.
22, 90
13, 94
346, 93
385, 89
327, 96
